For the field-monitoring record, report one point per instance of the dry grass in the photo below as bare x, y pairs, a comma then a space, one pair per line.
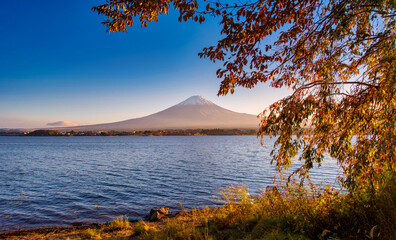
120, 223
295, 213
91, 234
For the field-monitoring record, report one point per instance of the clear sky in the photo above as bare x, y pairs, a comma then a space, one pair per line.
57, 63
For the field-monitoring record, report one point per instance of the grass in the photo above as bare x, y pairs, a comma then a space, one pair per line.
295, 213
120, 223
91, 234
142, 228
119, 228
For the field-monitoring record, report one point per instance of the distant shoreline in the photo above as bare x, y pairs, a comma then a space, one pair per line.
176, 132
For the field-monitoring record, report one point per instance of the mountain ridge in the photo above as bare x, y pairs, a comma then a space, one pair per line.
194, 112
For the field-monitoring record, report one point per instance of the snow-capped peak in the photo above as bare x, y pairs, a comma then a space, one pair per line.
195, 100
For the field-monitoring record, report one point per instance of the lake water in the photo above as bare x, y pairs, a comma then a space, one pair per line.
47, 181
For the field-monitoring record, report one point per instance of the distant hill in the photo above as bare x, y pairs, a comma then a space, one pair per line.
193, 113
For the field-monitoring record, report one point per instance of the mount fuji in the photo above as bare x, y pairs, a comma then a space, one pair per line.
193, 113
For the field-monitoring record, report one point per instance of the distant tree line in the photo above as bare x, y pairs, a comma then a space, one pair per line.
44, 133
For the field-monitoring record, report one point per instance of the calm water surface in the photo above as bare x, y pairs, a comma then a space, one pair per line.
48, 181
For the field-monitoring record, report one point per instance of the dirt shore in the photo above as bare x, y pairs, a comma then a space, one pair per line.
80, 232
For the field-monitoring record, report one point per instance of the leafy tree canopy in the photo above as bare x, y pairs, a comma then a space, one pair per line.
338, 57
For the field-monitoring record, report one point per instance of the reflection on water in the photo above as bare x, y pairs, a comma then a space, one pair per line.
61, 180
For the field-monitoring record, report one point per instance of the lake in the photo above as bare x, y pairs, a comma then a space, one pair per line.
46, 181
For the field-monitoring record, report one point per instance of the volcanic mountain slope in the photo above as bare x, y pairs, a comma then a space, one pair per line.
193, 113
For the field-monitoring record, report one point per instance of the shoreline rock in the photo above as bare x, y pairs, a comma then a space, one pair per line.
158, 213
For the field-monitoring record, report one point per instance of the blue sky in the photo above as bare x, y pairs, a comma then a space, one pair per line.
57, 63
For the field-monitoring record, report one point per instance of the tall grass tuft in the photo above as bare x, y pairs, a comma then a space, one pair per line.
140, 228
119, 223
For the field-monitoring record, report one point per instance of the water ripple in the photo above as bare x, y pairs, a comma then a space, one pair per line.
48, 181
